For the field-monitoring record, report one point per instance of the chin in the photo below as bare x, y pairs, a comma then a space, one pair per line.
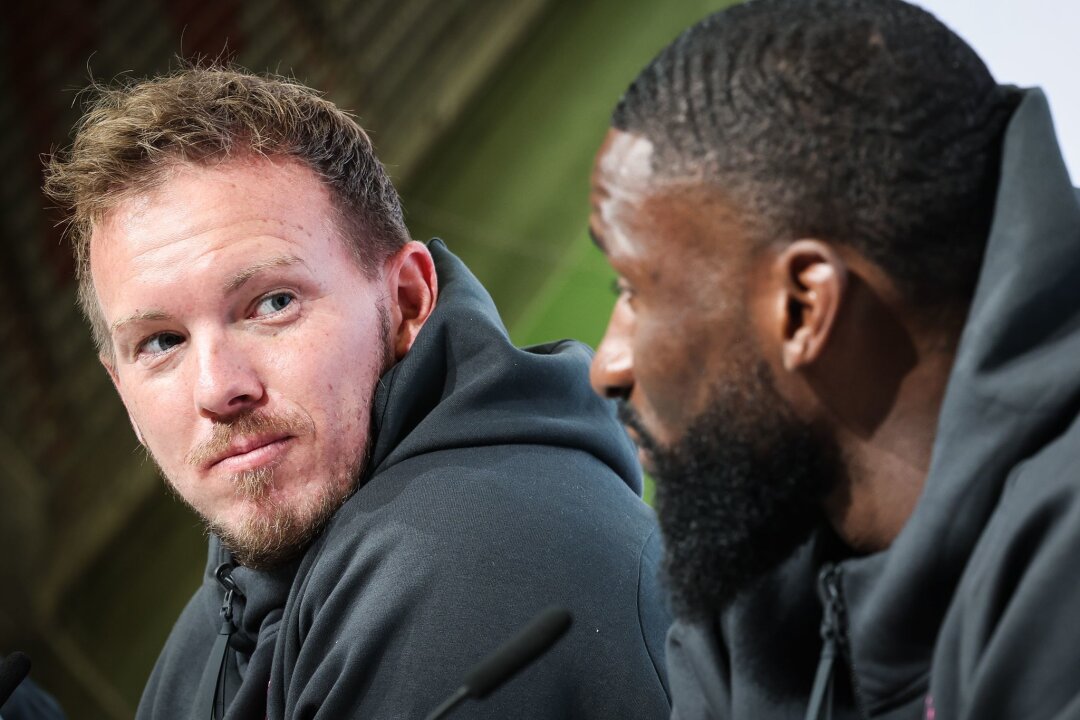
263, 533
739, 492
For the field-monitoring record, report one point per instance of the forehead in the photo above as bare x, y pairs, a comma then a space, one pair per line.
624, 163
203, 223
188, 195
638, 212
244, 196
622, 197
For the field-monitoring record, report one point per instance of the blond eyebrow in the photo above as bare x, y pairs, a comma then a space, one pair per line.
237, 280
140, 316
232, 284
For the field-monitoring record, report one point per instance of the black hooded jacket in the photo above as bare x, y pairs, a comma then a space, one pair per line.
973, 613
498, 484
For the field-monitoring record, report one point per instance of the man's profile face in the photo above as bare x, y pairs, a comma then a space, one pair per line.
247, 345
739, 476
682, 276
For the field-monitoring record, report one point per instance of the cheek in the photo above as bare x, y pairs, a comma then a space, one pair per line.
672, 370
661, 355
161, 412
334, 383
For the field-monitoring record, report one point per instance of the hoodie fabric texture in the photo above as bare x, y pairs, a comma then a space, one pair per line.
973, 613
498, 484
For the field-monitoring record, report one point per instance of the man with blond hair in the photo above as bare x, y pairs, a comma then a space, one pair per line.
390, 486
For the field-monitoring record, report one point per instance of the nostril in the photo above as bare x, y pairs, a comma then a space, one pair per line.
617, 392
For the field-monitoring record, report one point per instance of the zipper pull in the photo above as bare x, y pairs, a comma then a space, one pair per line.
821, 696
211, 693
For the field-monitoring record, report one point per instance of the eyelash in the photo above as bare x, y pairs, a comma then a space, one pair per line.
619, 289
141, 348
292, 298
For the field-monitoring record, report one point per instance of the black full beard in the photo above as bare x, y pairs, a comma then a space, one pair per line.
738, 493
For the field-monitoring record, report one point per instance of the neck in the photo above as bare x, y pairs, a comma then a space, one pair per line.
887, 466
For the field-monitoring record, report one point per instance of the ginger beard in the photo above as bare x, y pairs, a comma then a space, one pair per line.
272, 532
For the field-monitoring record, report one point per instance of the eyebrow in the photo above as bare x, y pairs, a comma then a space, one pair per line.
140, 316
233, 283
237, 280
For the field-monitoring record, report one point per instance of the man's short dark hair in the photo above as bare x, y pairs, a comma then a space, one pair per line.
862, 122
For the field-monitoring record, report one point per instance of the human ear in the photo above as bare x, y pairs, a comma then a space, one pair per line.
813, 280
414, 290
110, 368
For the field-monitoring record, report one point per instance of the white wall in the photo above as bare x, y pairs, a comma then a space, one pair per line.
1027, 42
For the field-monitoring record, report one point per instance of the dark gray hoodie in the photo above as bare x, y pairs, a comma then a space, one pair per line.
973, 613
498, 484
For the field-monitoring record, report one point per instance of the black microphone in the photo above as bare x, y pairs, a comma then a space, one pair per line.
531, 642
13, 669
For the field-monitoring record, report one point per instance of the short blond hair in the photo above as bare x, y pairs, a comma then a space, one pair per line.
133, 132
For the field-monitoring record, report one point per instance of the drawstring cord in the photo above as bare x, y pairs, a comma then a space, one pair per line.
211, 693
821, 696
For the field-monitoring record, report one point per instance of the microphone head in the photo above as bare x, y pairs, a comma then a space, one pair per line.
517, 652
13, 670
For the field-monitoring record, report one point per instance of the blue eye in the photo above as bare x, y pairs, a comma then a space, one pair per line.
274, 303
160, 343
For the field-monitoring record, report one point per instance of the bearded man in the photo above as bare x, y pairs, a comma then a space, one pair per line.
846, 341
391, 487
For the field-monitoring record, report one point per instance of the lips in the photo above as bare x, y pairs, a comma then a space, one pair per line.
247, 453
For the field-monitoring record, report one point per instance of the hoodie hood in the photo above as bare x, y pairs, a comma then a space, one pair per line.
469, 386
1013, 388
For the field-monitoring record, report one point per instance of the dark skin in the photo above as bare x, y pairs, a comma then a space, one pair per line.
848, 354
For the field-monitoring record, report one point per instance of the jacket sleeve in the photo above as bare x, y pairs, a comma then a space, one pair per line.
1012, 645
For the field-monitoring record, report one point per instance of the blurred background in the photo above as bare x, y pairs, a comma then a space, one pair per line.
487, 114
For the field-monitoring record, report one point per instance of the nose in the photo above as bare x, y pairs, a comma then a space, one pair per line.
228, 383
612, 371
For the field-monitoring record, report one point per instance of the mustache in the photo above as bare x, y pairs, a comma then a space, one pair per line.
256, 422
630, 418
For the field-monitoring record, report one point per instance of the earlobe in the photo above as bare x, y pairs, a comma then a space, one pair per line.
414, 290
794, 351
814, 279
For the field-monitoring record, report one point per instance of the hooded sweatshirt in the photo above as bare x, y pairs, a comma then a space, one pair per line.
498, 484
973, 612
